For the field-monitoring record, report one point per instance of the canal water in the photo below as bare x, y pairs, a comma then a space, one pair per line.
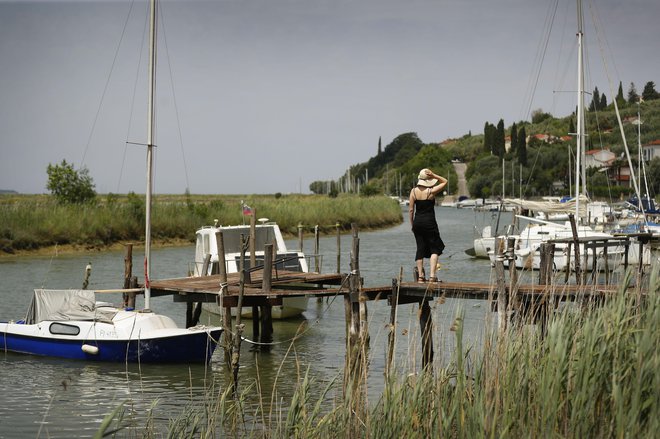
61, 398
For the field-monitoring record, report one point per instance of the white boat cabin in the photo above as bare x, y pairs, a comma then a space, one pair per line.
265, 233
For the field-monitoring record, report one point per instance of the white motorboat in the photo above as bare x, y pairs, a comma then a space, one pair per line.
266, 232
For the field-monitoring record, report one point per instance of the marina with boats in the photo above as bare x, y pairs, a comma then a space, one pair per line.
362, 324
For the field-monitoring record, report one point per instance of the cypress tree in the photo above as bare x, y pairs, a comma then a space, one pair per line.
603, 102
595, 100
633, 97
514, 138
488, 138
522, 147
499, 139
571, 127
380, 148
619, 96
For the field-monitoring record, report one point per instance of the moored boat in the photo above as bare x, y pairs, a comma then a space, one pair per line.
265, 232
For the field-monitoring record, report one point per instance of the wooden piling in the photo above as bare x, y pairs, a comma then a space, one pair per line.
129, 298
578, 269
226, 311
501, 285
236, 354
317, 262
266, 309
337, 227
253, 263
426, 326
539, 311
391, 337
514, 305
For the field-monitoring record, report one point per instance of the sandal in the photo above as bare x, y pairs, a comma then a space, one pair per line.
421, 280
433, 279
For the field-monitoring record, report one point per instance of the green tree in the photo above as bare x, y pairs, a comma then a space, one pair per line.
620, 100
571, 127
522, 146
633, 97
649, 93
595, 100
488, 137
499, 139
514, 139
70, 186
603, 102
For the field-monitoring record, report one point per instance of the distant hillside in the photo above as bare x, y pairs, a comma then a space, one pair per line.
8, 191
543, 169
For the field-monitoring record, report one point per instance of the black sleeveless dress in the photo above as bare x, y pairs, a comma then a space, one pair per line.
425, 229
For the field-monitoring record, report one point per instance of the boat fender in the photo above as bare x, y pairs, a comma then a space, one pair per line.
89, 349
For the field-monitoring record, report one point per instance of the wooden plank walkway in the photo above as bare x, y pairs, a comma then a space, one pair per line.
296, 284
284, 284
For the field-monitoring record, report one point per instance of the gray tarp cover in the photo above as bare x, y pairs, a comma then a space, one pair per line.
65, 305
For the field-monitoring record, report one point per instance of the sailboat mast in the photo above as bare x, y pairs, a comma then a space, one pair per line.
579, 172
150, 145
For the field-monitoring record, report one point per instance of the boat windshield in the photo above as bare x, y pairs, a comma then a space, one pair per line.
232, 238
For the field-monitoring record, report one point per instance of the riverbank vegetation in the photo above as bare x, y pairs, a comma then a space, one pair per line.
593, 374
30, 222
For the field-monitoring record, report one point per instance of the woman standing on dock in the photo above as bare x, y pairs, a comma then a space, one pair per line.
424, 225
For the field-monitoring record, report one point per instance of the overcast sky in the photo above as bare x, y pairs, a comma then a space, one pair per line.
265, 96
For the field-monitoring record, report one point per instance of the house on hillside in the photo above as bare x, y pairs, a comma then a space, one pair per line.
651, 150
598, 158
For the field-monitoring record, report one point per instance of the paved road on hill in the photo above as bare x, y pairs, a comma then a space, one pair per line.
462, 182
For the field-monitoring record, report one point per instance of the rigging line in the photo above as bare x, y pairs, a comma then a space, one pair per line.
132, 109
541, 57
176, 107
105, 88
560, 77
616, 108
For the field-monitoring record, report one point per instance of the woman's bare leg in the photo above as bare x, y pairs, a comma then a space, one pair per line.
434, 265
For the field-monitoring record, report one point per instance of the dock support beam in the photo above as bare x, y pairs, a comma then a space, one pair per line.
426, 325
266, 309
501, 285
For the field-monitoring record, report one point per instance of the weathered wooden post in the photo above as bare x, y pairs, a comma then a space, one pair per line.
253, 264
578, 269
513, 307
353, 315
129, 298
226, 310
317, 262
540, 310
300, 237
501, 285
394, 302
337, 227
236, 355
426, 325
266, 285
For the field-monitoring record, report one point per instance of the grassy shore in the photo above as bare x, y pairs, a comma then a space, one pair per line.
33, 222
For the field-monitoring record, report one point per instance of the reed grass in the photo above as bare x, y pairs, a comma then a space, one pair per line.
594, 373
33, 222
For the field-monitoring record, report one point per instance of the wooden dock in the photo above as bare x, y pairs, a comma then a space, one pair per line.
265, 286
